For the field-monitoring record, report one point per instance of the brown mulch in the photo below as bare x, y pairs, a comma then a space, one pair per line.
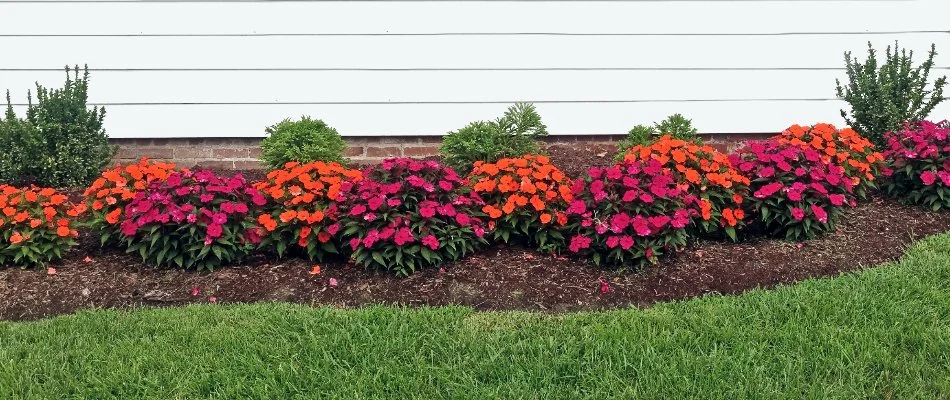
500, 278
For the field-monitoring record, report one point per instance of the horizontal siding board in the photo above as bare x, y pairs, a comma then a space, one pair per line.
372, 120
448, 16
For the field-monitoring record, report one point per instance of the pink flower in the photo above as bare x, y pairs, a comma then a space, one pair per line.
766, 172
369, 217
333, 282
836, 199
358, 209
819, 213
191, 218
403, 236
619, 222
219, 218
206, 197
431, 242
445, 185
640, 226
173, 180
798, 213
214, 231
375, 202
646, 198
393, 202
333, 229
626, 242
928, 178
354, 243
613, 241
463, 219
604, 287
577, 207
614, 173
427, 212
579, 243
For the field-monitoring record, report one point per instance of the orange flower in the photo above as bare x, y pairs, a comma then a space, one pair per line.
545, 218
21, 216
113, 216
62, 231
16, 238
35, 222
288, 216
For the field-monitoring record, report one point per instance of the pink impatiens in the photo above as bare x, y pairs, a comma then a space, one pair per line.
919, 156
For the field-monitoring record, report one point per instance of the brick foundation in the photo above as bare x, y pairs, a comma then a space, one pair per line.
243, 153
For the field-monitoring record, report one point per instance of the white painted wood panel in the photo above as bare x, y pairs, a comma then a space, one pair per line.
672, 56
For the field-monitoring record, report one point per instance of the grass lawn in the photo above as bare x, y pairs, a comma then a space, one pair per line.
883, 333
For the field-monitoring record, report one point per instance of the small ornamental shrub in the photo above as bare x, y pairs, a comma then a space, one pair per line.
192, 220
61, 142
525, 198
883, 98
406, 214
794, 193
303, 141
919, 156
37, 225
630, 213
513, 135
109, 194
302, 207
677, 126
707, 175
844, 147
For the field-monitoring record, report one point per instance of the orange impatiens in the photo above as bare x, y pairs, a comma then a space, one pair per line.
115, 188
302, 206
843, 147
37, 225
524, 197
705, 174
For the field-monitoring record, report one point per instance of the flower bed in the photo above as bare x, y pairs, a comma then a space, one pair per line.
302, 208
192, 220
919, 156
632, 212
524, 198
37, 225
706, 175
795, 193
406, 214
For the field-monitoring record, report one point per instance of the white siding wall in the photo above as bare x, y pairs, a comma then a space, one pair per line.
733, 66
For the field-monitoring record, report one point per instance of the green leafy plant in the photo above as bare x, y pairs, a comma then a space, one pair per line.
512, 135
61, 141
37, 225
884, 98
303, 141
676, 126
919, 158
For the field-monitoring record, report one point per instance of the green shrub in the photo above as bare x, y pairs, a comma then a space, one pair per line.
676, 125
884, 99
640, 135
61, 142
513, 135
304, 141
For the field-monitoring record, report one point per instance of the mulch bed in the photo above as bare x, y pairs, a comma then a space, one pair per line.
499, 278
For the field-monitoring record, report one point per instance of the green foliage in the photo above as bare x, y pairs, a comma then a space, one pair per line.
884, 98
640, 135
304, 141
876, 333
62, 142
676, 125
512, 135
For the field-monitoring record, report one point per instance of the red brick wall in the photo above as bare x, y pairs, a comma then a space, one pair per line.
243, 153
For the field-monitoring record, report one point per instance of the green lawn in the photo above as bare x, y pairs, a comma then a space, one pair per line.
883, 333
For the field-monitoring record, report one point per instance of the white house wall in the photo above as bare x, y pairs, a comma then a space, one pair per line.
205, 69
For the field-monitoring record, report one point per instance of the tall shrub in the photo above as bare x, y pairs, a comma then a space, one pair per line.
676, 126
884, 97
65, 141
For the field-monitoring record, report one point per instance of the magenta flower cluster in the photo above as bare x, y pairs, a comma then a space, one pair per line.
919, 156
192, 219
794, 192
405, 214
632, 211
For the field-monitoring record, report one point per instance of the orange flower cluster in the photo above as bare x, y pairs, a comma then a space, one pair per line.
302, 202
704, 173
516, 189
108, 194
37, 224
843, 147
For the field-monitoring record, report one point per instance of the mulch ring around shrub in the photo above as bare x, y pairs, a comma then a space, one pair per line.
499, 278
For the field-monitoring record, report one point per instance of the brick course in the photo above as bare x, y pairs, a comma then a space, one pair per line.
243, 153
